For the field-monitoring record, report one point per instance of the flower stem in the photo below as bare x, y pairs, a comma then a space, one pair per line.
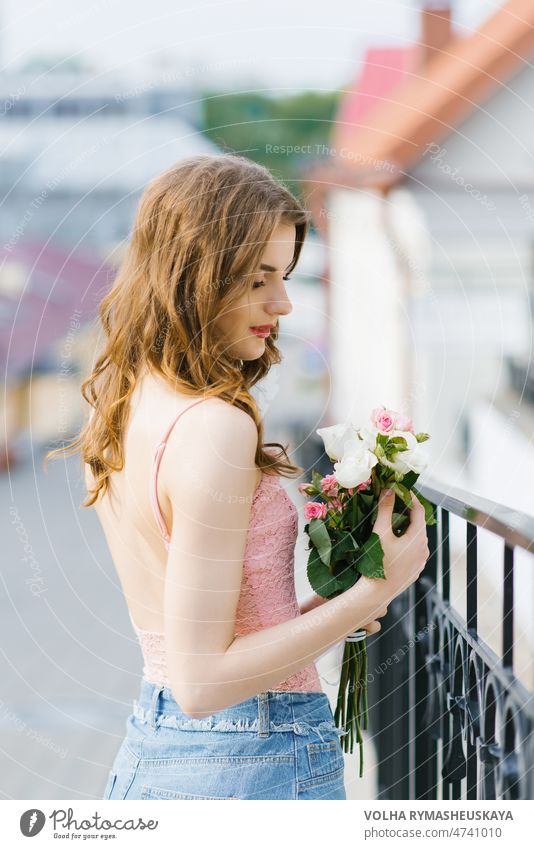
351, 707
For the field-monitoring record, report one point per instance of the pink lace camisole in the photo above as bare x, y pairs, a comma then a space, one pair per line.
267, 595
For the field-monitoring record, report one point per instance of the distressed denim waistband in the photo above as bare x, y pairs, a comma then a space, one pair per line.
211, 723
265, 713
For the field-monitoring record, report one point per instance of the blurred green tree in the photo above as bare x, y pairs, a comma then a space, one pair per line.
268, 129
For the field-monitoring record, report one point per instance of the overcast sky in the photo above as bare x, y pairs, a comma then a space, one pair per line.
283, 44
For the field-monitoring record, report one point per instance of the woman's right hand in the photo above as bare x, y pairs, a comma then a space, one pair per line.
405, 557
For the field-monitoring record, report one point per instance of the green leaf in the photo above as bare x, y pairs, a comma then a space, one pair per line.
316, 479
430, 519
399, 521
345, 574
379, 451
373, 514
403, 493
359, 521
367, 499
321, 581
400, 443
409, 479
342, 543
422, 437
370, 560
321, 539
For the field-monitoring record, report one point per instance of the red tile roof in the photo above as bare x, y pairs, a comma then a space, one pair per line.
383, 69
60, 286
424, 107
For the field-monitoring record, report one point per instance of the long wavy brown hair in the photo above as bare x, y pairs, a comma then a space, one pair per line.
200, 230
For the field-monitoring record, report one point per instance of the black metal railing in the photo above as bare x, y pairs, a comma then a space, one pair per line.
448, 717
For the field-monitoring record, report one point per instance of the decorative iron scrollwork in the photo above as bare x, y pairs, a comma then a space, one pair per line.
477, 717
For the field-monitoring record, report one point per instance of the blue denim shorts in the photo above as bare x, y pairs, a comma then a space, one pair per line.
276, 745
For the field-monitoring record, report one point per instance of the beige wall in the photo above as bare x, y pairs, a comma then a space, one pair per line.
46, 407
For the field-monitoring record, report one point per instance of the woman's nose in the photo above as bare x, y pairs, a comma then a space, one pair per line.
284, 307
280, 306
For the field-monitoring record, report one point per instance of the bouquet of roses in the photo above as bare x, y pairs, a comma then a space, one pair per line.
386, 455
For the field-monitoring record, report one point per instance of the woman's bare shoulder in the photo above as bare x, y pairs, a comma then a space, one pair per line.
217, 424
214, 453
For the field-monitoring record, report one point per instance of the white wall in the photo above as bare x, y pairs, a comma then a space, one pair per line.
494, 144
367, 341
501, 468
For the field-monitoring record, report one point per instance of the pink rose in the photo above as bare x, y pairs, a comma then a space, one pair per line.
351, 490
315, 510
404, 423
336, 504
363, 485
329, 485
303, 488
383, 419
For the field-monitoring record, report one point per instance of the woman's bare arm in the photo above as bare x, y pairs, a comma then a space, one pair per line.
311, 603
257, 662
211, 491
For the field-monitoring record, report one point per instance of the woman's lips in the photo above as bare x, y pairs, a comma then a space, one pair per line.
262, 331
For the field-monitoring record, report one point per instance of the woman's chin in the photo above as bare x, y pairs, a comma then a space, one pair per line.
253, 350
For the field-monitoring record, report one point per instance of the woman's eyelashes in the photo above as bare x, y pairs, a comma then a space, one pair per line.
258, 283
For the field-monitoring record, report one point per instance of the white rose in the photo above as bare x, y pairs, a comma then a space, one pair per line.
335, 438
411, 441
414, 459
368, 437
356, 465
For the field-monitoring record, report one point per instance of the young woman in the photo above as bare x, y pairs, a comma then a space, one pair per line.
200, 529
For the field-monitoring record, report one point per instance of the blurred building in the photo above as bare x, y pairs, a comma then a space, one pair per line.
76, 152
425, 200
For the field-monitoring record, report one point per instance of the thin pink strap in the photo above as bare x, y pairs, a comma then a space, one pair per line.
154, 474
